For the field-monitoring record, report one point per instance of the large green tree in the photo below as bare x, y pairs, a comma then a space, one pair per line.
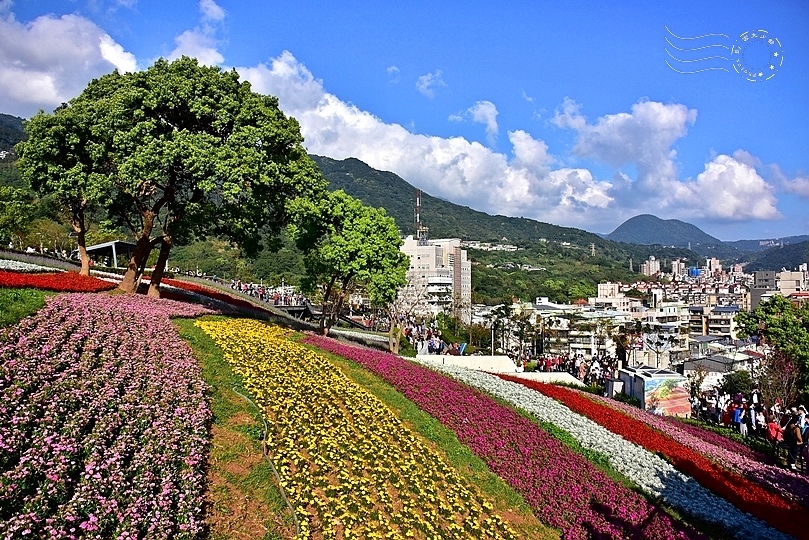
349, 247
189, 151
784, 326
60, 159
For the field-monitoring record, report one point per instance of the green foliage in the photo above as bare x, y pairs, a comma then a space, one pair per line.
16, 304
629, 400
10, 173
786, 256
349, 247
783, 325
445, 219
175, 153
16, 212
648, 229
737, 382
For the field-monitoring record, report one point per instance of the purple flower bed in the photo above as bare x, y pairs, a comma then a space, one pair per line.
722, 451
563, 488
103, 422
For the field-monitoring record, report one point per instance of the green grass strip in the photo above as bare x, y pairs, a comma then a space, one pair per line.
236, 453
16, 304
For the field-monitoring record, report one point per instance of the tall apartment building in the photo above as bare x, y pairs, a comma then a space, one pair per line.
439, 278
713, 267
678, 269
713, 321
611, 297
650, 267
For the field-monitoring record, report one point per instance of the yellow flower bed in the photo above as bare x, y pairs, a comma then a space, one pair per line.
349, 466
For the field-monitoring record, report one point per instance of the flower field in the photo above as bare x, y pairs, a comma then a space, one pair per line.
563, 487
61, 282
348, 464
103, 422
729, 454
745, 494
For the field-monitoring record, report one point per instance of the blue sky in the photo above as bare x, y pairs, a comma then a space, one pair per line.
565, 112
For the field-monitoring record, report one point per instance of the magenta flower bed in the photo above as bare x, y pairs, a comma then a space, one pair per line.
103, 422
722, 451
564, 489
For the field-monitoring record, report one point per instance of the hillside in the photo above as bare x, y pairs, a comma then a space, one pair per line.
648, 229
11, 131
445, 219
756, 246
789, 257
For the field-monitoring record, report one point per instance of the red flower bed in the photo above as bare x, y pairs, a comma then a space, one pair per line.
59, 282
746, 495
210, 293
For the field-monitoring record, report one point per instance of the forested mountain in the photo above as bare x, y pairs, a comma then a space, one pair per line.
11, 131
755, 246
445, 219
648, 229
789, 256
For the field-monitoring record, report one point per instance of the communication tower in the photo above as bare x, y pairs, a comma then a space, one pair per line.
422, 233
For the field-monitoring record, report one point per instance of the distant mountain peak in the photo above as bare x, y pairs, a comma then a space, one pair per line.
648, 229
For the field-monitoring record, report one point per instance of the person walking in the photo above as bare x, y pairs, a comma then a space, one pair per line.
792, 438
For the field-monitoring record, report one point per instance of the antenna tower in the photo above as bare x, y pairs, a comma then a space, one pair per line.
421, 231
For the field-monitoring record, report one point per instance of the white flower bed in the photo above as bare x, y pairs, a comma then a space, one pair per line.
653, 474
17, 266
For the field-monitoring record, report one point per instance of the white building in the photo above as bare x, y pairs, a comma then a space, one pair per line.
650, 267
439, 278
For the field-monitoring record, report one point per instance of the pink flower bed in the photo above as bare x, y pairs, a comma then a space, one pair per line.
103, 422
563, 488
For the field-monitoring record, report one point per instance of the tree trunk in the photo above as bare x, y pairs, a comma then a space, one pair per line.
83, 256
80, 229
394, 338
157, 275
143, 247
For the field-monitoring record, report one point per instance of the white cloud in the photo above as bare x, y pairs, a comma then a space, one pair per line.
117, 56
201, 42
393, 74
643, 137
485, 112
455, 168
211, 11
732, 190
197, 44
482, 112
526, 97
729, 189
50, 60
427, 83
798, 185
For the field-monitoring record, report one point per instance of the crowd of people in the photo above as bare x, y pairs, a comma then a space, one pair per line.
783, 427
592, 371
278, 296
